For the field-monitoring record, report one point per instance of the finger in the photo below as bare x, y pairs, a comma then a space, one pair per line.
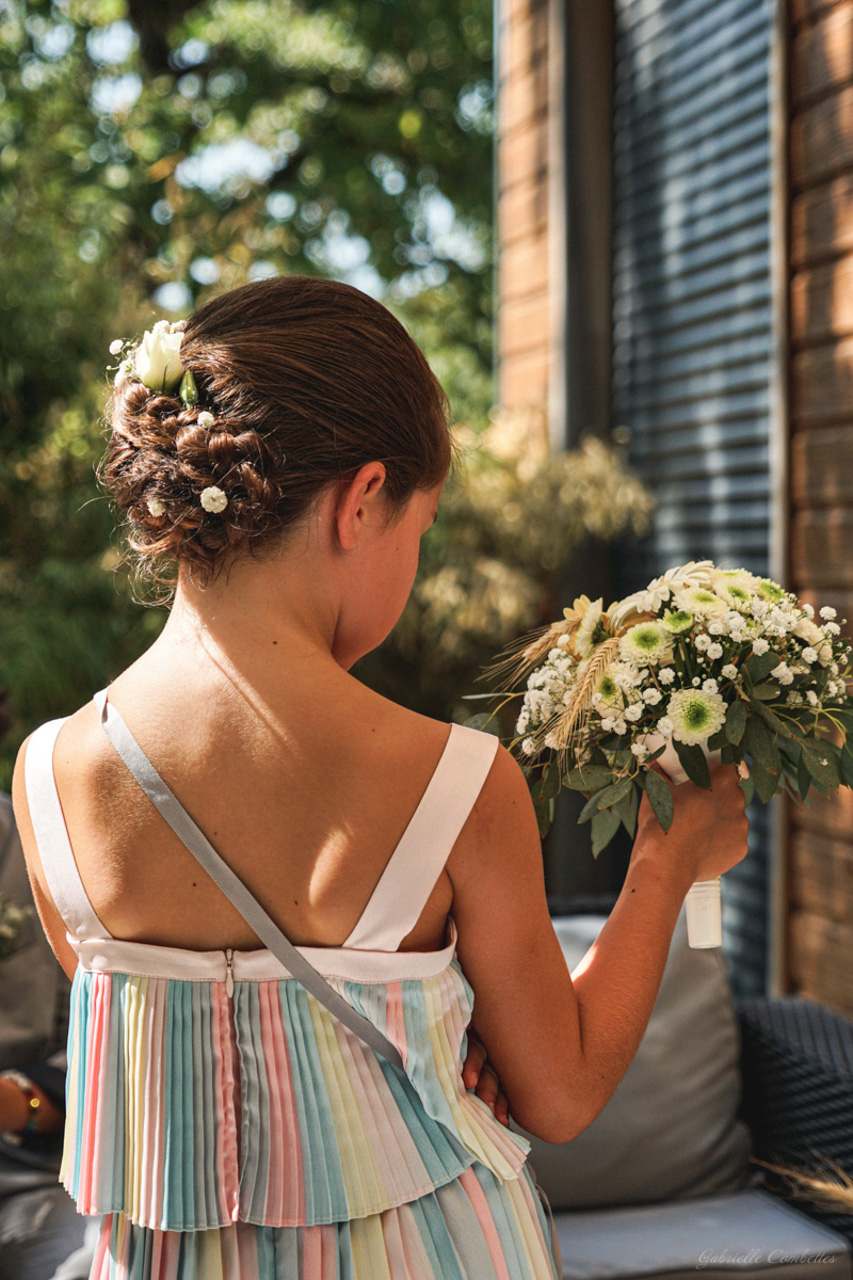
474, 1059
502, 1108
487, 1087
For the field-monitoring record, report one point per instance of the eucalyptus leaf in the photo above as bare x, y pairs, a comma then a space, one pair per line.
770, 719
735, 721
660, 797
591, 807
627, 810
610, 796
818, 758
694, 763
485, 721
847, 763
589, 777
804, 779
543, 808
766, 783
747, 786
759, 666
551, 781
603, 828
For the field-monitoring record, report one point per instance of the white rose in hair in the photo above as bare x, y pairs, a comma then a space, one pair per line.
157, 359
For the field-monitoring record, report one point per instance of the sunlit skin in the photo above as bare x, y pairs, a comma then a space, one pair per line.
305, 780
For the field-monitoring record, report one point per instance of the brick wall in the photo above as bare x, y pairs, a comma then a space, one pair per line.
523, 316
820, 884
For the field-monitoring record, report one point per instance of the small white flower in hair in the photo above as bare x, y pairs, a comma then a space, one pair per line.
116, 346
213, 499
155, 506
205, 419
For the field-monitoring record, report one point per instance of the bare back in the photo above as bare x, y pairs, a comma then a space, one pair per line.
305, 792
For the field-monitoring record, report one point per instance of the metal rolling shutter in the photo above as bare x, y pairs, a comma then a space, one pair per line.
692, 315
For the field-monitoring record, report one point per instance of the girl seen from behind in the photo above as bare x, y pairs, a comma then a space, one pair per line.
225, 1121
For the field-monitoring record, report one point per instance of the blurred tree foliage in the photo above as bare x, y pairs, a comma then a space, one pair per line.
151, 153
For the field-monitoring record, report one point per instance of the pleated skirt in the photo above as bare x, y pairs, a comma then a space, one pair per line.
474, 1228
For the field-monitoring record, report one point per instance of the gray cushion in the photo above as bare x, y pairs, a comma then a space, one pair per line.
670, 1129
750, 1233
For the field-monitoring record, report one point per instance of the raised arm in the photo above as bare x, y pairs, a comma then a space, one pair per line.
561, 1045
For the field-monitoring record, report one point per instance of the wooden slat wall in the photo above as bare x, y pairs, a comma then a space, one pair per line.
820, 885
523, 346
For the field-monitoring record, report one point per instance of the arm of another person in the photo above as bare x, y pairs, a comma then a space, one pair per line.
51, 920
560, 1046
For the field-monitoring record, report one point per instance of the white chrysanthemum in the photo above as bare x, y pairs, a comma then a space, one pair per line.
213, 499
695, 715
770, 590
677, 621
608, 695
694, 573
583, 635
736, 586
645, 642
700, 601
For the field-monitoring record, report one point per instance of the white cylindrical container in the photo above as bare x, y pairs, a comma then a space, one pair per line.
704, 906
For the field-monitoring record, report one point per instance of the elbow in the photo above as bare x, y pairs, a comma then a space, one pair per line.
552, 1124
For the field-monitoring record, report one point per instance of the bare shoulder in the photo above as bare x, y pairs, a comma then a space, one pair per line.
502, 825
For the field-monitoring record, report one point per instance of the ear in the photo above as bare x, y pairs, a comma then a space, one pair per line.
357, 504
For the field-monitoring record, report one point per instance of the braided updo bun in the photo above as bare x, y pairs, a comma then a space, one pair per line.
301, 381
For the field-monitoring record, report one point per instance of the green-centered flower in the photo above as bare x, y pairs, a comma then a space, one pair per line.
677, 621
701, 602
645, 643
770, 590
695, 715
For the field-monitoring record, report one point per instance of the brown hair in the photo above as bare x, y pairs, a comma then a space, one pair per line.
307, 379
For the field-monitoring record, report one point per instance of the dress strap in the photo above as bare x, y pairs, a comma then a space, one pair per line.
51, 835
415, 865
191, 835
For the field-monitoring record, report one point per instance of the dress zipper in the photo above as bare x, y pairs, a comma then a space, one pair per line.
229, 973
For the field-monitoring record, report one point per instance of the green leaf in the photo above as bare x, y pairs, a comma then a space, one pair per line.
766, 783
717, 740
610, 796
762, 748
485, 721
694, 764
818, 759
544, 809
735, 721
660, 797
766, 692
847, 764
770, 719
589, 777
627, 810
804, 779
747, 786
591, 807
603, 828
759, 666
551, 781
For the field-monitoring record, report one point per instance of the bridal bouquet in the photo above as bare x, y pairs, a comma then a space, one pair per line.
703, 660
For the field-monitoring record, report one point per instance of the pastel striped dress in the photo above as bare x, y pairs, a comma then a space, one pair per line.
228, 1127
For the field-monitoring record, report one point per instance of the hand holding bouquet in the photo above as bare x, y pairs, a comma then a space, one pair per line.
703, 660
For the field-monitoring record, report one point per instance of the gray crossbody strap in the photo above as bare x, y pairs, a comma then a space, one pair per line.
248, 906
